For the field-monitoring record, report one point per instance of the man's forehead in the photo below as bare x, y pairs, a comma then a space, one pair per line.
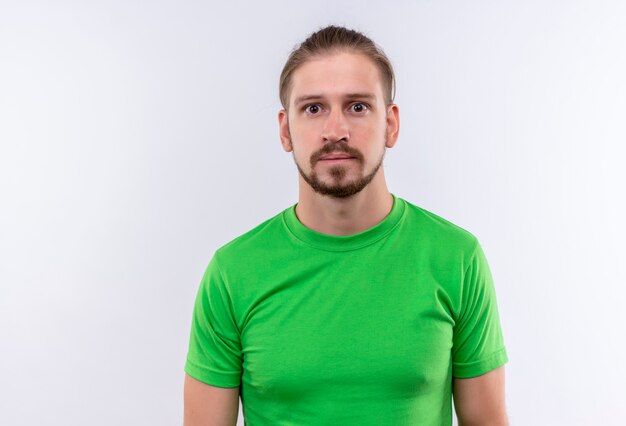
340, 74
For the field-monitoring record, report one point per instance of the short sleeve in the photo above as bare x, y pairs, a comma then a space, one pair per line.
478, 346
214, 355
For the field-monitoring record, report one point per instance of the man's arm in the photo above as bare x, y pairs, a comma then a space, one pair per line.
480, 400
207, 405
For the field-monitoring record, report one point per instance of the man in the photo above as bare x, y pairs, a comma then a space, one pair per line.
352, 307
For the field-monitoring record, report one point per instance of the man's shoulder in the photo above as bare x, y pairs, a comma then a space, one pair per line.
432, 226
261, 237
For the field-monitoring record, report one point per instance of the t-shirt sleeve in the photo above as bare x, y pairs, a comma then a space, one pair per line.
214, 355
478, 346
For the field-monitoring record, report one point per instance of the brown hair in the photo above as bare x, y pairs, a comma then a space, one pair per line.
328, 40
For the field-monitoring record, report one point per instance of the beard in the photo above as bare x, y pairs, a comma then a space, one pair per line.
338, 188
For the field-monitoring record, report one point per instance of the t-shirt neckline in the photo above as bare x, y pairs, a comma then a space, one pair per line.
344, 242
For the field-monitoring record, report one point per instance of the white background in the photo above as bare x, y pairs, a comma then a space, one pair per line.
137, 137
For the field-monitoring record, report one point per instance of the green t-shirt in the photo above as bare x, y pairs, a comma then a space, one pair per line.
366, 329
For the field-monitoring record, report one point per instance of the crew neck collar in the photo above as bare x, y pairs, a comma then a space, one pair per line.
344, 242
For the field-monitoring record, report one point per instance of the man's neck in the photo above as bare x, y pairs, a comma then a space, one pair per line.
344, 216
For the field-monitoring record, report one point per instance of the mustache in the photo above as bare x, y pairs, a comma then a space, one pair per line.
336, 147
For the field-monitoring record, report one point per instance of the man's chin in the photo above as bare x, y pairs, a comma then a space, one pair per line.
338, 194
339, 191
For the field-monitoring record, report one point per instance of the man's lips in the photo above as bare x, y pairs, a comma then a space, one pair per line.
335, 160
336, 157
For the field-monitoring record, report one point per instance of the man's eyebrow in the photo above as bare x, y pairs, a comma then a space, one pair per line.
367, 96
304, 98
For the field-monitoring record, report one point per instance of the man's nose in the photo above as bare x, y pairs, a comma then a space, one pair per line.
335, 127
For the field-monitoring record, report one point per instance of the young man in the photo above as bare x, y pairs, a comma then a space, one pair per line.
352, 307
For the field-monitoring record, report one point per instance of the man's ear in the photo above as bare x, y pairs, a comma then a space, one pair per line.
393, 125
283, 127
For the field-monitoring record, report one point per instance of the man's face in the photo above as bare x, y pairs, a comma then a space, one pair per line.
338, 125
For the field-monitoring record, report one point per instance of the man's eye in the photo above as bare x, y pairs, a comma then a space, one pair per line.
358, 107
312, 109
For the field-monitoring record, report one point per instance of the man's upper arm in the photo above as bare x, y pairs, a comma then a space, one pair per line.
207, 405
480, 400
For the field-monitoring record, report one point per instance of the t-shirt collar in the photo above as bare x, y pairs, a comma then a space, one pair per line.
347, 242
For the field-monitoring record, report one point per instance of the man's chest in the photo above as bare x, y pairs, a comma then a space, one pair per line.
386, 331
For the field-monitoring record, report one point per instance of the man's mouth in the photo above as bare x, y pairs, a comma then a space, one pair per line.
332, 157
